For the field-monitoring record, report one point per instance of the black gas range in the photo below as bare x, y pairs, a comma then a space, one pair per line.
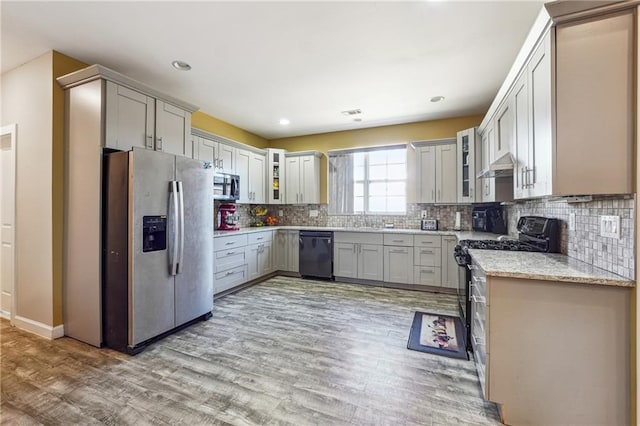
535, 234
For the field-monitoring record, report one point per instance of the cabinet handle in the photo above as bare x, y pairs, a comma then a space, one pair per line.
230, 243
230, 253
426, 271
470, 191
478, 341
354, 248
426, 251
532, 182
260, 238
399, 251
229, 273
433, 194
478, 299
159, 144
397, 241
297, 197
427, 242
222, 163
439, 197
150, 141
302, 198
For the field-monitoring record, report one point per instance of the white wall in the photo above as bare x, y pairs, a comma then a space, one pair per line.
27, 100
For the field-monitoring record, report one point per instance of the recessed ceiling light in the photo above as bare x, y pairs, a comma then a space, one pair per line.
437, 99
284, 121
180, 65
352, 112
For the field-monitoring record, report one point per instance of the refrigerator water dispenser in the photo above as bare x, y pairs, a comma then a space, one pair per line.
154, 233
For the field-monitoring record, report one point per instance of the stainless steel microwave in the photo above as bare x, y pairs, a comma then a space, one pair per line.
226, 187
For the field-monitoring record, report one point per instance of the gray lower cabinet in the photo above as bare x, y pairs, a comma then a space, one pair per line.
398, 264
286, 250
230, 262
536, 343
358, 255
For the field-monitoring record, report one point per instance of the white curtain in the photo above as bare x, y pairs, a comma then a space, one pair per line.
341, 183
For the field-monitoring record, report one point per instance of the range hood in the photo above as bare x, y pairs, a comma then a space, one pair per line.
501, 167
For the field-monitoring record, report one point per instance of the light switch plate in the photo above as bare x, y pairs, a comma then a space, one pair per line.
610, 226
423, 214
572, 221
313, 213
280, 213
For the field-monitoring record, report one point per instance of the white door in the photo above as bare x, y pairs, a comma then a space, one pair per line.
370, 262
7, 217
345, 261
243, 159
398, 264
446, 174
427, 171
130, 118
257, 175
173, 126
292, 184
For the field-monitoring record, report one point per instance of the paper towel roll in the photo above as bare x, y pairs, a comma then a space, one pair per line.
458, 220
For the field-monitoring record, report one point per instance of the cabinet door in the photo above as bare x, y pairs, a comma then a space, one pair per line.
173, 126
489, 191
265, 259
449, 267
310, 171
370, 262
595, 105
130, 118
293, 251
446, 175
257, 177
293, 180
504, 128
466, 148
243, 159
253, 261
281, 251
227, 156
398, 264
345, 260
521, 146
427, 174
540, 120
207, 149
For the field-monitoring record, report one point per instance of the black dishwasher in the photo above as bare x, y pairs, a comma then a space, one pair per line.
316, 254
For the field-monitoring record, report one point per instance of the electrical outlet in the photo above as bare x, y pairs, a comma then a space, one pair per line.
313, 213
610, 226
280, 213
423, 214
572, 221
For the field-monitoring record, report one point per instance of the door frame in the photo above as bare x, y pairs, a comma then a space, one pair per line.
12, 131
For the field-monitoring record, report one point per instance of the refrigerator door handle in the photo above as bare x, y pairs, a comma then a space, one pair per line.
173, 202
181, 224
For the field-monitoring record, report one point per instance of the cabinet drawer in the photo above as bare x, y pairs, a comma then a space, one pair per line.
229, 258
358, 237
398, 240
229, 241
260, 237
423, 256
427, 240
427, 275
229, 279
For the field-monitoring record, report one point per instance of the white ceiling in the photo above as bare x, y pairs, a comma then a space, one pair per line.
257, 62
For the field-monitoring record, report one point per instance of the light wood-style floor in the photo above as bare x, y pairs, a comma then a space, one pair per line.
287, 351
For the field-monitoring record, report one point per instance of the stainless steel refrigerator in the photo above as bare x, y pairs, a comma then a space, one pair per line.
158, 246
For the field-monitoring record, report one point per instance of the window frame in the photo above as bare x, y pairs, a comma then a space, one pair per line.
367, 181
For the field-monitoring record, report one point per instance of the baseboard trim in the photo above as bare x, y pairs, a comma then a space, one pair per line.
38, 328
5, 315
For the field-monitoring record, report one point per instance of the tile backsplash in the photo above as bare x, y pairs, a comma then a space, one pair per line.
301, 215
585, 243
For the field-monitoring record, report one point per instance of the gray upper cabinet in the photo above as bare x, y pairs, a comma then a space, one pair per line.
135, 115
130, 118
468, 161
173, 128
567, 110
437, 171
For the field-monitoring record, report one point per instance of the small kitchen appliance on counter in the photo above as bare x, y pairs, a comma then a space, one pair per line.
429, 224
227, 218
535, 234
488, 219
226, 187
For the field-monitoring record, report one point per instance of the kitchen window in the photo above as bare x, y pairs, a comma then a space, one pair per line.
369, 180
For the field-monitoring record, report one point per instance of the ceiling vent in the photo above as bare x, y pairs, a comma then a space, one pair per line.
351, 112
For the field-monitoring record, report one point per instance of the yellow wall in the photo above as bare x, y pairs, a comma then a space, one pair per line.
208, 123
62, 65
400, 133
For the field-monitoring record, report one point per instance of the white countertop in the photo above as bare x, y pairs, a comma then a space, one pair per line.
461, 235
544, 266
